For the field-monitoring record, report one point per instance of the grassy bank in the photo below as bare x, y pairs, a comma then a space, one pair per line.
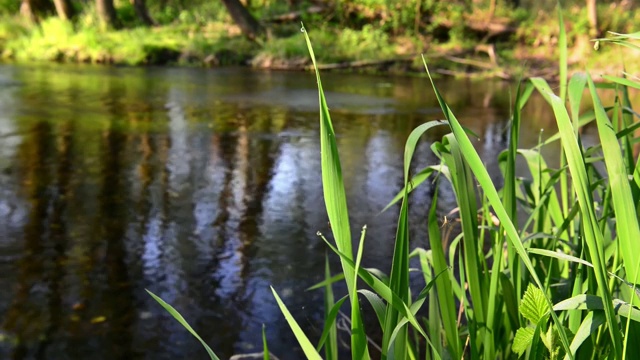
504, 43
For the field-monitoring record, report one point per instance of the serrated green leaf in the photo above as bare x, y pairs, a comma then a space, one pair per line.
534, 304
522, 340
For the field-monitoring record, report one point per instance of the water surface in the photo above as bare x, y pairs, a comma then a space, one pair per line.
204, 187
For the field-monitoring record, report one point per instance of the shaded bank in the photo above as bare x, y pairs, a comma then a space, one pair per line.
506, 42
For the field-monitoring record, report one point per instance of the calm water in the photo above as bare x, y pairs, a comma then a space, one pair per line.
204, 187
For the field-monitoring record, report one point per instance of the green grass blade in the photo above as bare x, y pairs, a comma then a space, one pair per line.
484, 179
336, 204
176, 315
381, 289
593, 302
416, 180
465, 191
587, 328
376, 303
265, 347
593, 237
624, 207
577, 84
399, 277
308, 348
622, 81
443, 284
330, 331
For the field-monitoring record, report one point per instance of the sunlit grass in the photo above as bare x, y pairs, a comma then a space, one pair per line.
560, 286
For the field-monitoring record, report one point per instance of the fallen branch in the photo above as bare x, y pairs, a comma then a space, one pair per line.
296, 15
362, 63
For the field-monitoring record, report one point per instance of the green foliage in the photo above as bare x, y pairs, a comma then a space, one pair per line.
534, 306
346, 45
9, 7
575, 244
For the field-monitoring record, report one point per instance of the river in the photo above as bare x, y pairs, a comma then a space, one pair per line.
203, 186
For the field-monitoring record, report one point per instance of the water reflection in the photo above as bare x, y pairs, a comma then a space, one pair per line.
203, 186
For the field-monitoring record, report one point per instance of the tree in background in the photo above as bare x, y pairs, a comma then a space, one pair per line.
143, 13
65, 9
592, 13
107, 13
34, 10
249, 26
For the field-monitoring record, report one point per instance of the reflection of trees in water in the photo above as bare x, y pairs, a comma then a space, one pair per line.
36, 313
117, 300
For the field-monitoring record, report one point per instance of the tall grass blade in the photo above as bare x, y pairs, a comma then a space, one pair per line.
625, 211
176, 315
587, 328
479, 170
593, 237
330, 329
331, 348
381, 289
465, 191
336, 204
416, 180
265, 347
308, 348
399, 277
443, 284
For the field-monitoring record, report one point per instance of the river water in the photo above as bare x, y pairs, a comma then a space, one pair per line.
204, 187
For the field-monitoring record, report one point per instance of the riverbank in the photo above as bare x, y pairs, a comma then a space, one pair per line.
506, 47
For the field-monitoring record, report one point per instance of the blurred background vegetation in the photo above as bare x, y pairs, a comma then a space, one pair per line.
461, 37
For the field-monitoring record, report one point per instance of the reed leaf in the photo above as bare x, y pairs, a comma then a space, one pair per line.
479, 170
336, 204
308, 349
443, 284
176, 315
593, 237
627, 229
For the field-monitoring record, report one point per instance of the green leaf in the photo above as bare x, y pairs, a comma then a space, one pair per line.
265, 347
593, 236
534, 304
336, 203
482, 175
443, 283
593, 302
308, 349
588, 327
176, 315
624, 207
522, 340
330, 330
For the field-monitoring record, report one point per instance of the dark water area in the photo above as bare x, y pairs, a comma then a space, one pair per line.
204, 187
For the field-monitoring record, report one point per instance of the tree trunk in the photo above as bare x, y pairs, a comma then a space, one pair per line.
143, 12
34, 10
64, 9
241, 16
592, 13
107, 13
